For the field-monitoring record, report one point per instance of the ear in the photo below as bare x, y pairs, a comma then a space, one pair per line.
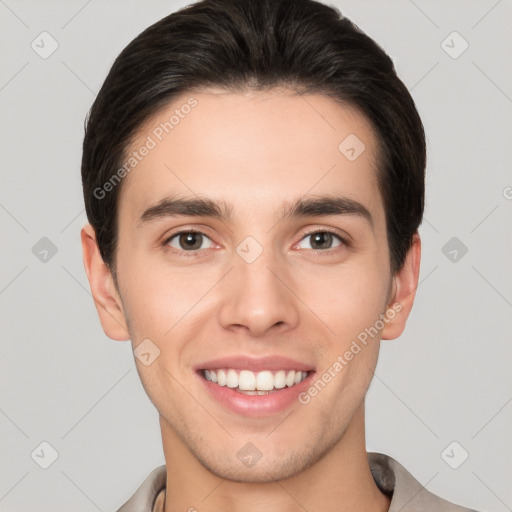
405, 283
106, 298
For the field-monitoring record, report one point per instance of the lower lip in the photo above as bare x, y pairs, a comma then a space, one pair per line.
257, 405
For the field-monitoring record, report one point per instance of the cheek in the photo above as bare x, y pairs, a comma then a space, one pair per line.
159, 300
347, 298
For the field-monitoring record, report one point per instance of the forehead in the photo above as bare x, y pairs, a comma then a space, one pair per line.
252, 150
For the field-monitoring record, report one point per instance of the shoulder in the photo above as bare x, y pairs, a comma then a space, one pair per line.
407, 494
145, 496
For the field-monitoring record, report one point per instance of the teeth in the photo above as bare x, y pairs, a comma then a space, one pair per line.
231, 379
252, 383
280, 379
264, 381
247, 381
221, 377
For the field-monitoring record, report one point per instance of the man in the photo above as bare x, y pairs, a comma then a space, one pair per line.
253, 175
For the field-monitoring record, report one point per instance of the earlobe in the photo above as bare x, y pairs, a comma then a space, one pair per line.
405, 283
106, 299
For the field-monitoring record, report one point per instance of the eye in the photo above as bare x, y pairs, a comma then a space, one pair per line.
320, 240
189, 241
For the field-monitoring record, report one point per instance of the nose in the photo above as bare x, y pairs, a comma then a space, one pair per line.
257, 297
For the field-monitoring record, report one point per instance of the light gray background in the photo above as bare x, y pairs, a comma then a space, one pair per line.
63, 381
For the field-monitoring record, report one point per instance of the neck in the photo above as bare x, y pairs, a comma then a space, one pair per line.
340, 481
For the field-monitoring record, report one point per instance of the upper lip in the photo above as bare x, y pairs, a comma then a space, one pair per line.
255, 364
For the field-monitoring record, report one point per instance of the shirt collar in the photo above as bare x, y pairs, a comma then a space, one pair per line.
405, 492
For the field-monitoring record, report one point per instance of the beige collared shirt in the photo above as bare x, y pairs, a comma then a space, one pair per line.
406, 493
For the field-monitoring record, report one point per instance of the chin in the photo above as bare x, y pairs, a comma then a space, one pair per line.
262, 468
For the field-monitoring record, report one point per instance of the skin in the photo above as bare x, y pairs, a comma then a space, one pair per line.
258, 152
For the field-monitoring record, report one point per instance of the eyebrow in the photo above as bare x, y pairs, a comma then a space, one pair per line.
327, 205
311, 207
172, 207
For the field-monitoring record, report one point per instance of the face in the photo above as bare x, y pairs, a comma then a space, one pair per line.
253, 252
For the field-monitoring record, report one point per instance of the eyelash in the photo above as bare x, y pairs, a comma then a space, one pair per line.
194, 253
342, 239
189, 254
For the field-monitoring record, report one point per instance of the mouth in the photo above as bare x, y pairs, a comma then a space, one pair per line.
251, 383
255, 387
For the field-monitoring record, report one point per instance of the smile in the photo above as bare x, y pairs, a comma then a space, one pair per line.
255, 383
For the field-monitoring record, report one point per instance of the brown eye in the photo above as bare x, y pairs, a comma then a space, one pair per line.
321, 240
189, 241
